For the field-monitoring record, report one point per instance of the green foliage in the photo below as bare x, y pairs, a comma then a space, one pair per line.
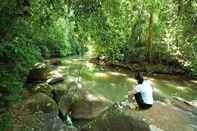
5, 121
154, 31
29, 32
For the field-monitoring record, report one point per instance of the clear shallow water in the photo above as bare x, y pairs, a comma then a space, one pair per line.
114, 84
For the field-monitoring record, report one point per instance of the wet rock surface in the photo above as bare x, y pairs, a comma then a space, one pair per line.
161, 117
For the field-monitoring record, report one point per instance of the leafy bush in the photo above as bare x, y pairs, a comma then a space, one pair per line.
29, 32
5, 121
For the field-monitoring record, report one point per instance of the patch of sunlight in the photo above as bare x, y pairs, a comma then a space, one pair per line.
187, 63
131, 80
79, 85
89, 65
91, 97
67, 61
194, 81
113, 85
55, 72
40, 65
70, 79
100, 75
62, 67
180, 88
91, 51
75, 59
99, 97
117, 74
157, 90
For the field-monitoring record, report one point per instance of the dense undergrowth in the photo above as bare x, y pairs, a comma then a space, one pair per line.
29, 32
150, 31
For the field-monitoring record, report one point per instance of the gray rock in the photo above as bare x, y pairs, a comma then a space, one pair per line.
161, 117
54, 123
116, 120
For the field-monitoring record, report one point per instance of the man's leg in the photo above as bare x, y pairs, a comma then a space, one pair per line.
139, 100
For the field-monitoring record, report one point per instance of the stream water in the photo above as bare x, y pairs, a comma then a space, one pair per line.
114, 83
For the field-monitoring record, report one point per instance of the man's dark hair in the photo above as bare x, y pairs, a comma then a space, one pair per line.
139, 77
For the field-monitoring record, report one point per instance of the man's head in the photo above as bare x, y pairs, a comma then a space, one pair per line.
139, 77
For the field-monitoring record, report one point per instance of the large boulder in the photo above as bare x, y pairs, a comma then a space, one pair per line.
40, 121
161, 117
166, 117
41, 102
116, 120
54, 123
38, 73
89, 107
38, 113
81, 103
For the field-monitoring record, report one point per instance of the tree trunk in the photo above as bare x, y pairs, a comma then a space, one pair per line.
150, 38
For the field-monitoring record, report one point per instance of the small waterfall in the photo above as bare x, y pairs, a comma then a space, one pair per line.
69, 121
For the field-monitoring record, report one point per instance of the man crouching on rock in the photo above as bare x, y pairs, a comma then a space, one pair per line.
143, 92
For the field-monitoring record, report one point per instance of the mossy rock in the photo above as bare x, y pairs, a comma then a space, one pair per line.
41, 102
40, 121
42, 88
39, 72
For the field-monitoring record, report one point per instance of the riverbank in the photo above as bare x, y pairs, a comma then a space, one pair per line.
149, 69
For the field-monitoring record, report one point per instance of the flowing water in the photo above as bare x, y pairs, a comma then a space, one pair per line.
114, 83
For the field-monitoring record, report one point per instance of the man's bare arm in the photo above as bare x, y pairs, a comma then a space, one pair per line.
131, 94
